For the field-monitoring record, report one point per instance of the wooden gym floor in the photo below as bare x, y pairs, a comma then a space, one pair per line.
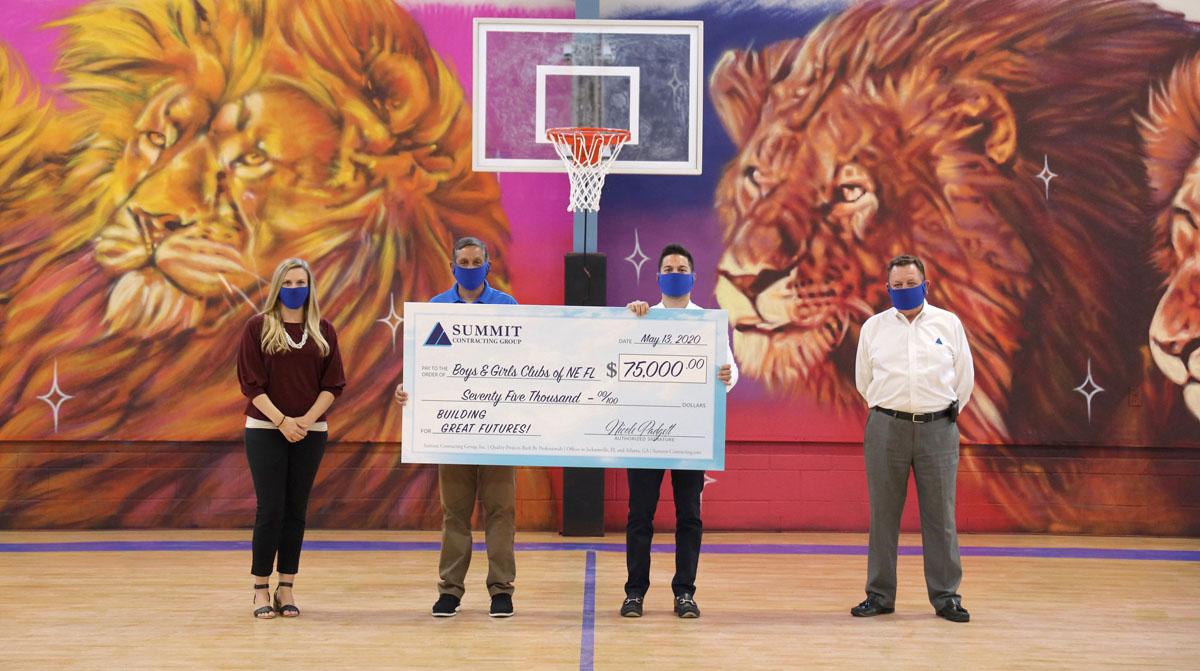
182, 600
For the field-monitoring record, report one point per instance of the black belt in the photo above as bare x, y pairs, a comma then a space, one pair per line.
916, 418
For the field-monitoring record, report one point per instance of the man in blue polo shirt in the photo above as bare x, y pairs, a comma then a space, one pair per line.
471, 266
461, 484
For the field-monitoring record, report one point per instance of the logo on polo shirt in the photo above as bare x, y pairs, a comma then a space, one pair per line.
938, 341
437, 337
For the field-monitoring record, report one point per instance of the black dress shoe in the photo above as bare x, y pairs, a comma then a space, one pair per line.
870, 607
632, 607
685, 606
954, 612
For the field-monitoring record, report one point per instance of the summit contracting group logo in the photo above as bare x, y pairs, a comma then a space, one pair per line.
470, 333
437, 337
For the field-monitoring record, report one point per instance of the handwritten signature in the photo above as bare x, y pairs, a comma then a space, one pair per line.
649, 427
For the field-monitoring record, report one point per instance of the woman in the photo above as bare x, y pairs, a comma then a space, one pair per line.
290, 369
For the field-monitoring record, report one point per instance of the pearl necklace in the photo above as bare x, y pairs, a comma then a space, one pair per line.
293, 343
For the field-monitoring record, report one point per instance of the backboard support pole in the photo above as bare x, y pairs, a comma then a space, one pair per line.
583, 488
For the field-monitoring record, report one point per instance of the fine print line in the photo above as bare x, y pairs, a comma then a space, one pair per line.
611, 405
671, 436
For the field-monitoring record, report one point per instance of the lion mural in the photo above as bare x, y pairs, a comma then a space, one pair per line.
1172, 134
921, 126
210, 139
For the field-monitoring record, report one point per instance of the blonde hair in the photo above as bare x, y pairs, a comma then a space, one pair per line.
274, 338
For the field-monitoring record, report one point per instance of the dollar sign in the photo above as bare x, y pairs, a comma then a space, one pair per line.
612, 369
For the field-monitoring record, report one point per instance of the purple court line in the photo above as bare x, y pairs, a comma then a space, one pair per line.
587, 637
712, 548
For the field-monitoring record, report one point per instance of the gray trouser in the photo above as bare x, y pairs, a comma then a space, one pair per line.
892, 446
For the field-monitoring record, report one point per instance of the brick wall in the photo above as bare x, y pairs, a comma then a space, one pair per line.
822, 487
766, 487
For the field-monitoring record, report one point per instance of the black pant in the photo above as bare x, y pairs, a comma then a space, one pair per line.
283, 475
644, 486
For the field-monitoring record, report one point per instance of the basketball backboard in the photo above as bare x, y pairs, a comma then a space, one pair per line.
639, 76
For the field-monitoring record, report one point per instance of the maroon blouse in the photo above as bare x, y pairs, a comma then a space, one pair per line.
291, 379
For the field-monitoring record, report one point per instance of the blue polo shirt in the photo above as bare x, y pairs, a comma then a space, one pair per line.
489, 295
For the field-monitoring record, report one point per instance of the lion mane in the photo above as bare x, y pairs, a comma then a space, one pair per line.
1172, 135
207, 141
920, 126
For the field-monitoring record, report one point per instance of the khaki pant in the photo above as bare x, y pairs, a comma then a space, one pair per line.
496, 486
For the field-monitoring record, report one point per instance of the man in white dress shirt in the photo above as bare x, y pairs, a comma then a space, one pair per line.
676, 276
914, 369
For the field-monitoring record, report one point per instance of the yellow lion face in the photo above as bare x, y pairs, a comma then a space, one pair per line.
205, 198
207, 145
208, 139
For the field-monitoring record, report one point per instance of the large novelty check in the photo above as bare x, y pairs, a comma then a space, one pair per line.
564, 386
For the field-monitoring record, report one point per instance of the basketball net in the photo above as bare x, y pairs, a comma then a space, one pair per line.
588, 154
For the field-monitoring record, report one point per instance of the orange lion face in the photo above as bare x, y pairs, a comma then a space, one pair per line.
1172, 135
935, 129
833, 179
208, 197
805, 235
1175, 331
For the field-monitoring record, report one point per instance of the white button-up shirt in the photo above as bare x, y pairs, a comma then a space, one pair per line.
918, 366
733, 369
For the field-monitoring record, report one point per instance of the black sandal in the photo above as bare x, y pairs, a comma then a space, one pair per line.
261, 612
289, 610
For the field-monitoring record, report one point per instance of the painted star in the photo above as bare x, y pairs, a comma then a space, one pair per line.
393, 320
1045, 175
637, 254
1089, 388
678, 91
708, 480
55, 397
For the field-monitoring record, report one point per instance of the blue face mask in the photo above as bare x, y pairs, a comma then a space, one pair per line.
293, 297
907, 299
676, 284
471, 278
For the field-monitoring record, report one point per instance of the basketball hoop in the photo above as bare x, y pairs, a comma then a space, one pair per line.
588, 153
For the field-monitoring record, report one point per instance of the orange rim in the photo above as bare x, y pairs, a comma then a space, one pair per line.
585, 142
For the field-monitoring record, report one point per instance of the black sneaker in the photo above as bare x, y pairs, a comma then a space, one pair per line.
501, 605
447, 606
632, 607
685, 606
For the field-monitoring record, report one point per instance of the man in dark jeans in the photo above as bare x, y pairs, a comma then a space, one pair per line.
676, 276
